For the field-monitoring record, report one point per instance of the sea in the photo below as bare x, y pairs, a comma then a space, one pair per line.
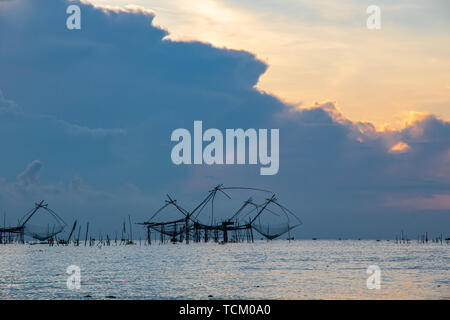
279, 269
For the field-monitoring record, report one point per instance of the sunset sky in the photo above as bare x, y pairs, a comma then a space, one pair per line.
363, 115
322, 50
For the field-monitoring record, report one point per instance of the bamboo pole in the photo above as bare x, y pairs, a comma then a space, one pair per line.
87, 231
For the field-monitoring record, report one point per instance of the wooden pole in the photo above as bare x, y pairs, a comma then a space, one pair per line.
87, 231
78, 237
131, 230
187, 230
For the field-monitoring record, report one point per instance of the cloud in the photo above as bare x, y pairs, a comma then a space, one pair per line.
435, 202
7, 106
98, 105
108, 76
31, 173
399, 147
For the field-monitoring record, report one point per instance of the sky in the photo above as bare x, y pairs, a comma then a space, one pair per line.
86, 115
322, 50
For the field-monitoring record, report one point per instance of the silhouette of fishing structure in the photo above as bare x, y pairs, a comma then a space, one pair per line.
24, 227
240, 224
238, 227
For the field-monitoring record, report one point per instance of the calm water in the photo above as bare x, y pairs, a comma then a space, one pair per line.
277, 270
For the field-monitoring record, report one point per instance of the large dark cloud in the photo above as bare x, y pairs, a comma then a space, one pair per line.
86, 117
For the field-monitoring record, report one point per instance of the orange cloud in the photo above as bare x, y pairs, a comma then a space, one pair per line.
400, 147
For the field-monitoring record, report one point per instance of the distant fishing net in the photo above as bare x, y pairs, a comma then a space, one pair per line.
50, 223
42, 233
248, 214
272, 231
169, 229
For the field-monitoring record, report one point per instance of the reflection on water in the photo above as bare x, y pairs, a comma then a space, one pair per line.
262, 270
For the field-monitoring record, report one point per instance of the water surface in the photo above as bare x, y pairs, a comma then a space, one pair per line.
302, 269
